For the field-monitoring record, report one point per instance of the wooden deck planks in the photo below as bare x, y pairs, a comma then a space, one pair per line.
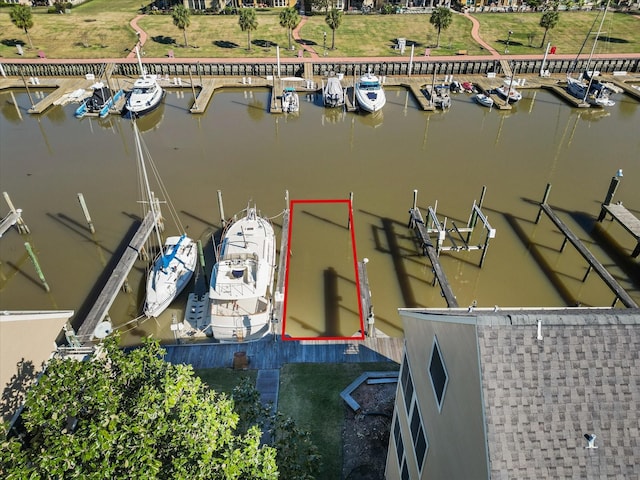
628, 220
270, 354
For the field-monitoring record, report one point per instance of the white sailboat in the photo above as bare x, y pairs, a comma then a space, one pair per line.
147, 94
586, 86
369, 93
173, 268
240, 291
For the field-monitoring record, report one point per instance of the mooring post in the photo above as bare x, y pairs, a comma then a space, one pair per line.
474, 215
193, 89
484, 250
221, 208
22, 227
85, 210
350, 210
544, 201
613, 186
27, 245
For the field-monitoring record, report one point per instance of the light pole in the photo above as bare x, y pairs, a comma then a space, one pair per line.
506, 49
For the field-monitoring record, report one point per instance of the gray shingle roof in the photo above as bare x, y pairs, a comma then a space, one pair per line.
541, 397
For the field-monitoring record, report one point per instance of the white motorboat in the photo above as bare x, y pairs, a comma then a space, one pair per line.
333, 93
290, 100
147, 94
586, 87
176, 261
240, 292
512, 96
484, 100
369, 93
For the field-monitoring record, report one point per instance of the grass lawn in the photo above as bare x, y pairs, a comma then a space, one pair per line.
620, 32
224, 380
310, 394
100, 29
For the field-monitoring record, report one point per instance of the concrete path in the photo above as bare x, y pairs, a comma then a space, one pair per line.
296, 36
475, 34
142, 36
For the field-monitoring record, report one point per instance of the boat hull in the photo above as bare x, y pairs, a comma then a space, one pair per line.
170, 274
147, 95
484, 100
333, 93
512, 97
370, 94
242, 281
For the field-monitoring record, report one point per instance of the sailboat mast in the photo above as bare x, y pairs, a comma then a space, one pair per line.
142, 70
145, 177
593, 49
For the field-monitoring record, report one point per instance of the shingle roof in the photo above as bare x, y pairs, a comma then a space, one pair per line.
542, 396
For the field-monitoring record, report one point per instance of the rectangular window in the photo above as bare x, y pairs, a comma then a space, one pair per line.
407, 384
397, 436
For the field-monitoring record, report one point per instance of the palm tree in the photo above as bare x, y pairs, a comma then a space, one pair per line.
441, 18
333, 20
180, 15
548, 21
248, 22
289, 19
21, 17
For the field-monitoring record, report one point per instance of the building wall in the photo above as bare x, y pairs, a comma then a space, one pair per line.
455, 432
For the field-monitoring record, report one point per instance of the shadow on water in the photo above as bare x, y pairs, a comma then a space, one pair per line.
536, 252
331, 304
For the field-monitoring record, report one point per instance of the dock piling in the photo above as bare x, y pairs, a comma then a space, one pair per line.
85, 210
34, 260
16, 215
221, 208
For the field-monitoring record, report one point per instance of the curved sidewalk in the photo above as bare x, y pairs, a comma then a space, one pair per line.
142, 35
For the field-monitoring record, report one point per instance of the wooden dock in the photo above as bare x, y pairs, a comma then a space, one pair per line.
206, 91
278, 309
9, 221
620, 213
272, 353
100, 309
416, 223
416, 88
594, 264
64, 87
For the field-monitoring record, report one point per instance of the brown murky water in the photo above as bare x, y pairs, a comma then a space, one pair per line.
252, 156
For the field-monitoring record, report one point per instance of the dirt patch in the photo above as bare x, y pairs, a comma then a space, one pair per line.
365, 437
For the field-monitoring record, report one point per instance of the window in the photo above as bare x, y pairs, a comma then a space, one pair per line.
407, 384
438, 373
402, 459
420, 444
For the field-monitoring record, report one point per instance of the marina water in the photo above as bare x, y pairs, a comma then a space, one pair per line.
254, 157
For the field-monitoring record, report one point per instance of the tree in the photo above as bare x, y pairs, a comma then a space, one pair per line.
131, 415
441, 19
21, 17
548, 20
180, 15
248, 22
289, 19
333, 20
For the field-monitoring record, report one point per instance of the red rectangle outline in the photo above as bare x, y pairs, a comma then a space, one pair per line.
292, 203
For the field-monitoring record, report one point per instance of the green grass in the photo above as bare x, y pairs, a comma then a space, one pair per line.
620, 32
310, 394
100, 29
223, 380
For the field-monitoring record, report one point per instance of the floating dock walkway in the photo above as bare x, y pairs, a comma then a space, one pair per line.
621, 214
594, 264
100, 309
